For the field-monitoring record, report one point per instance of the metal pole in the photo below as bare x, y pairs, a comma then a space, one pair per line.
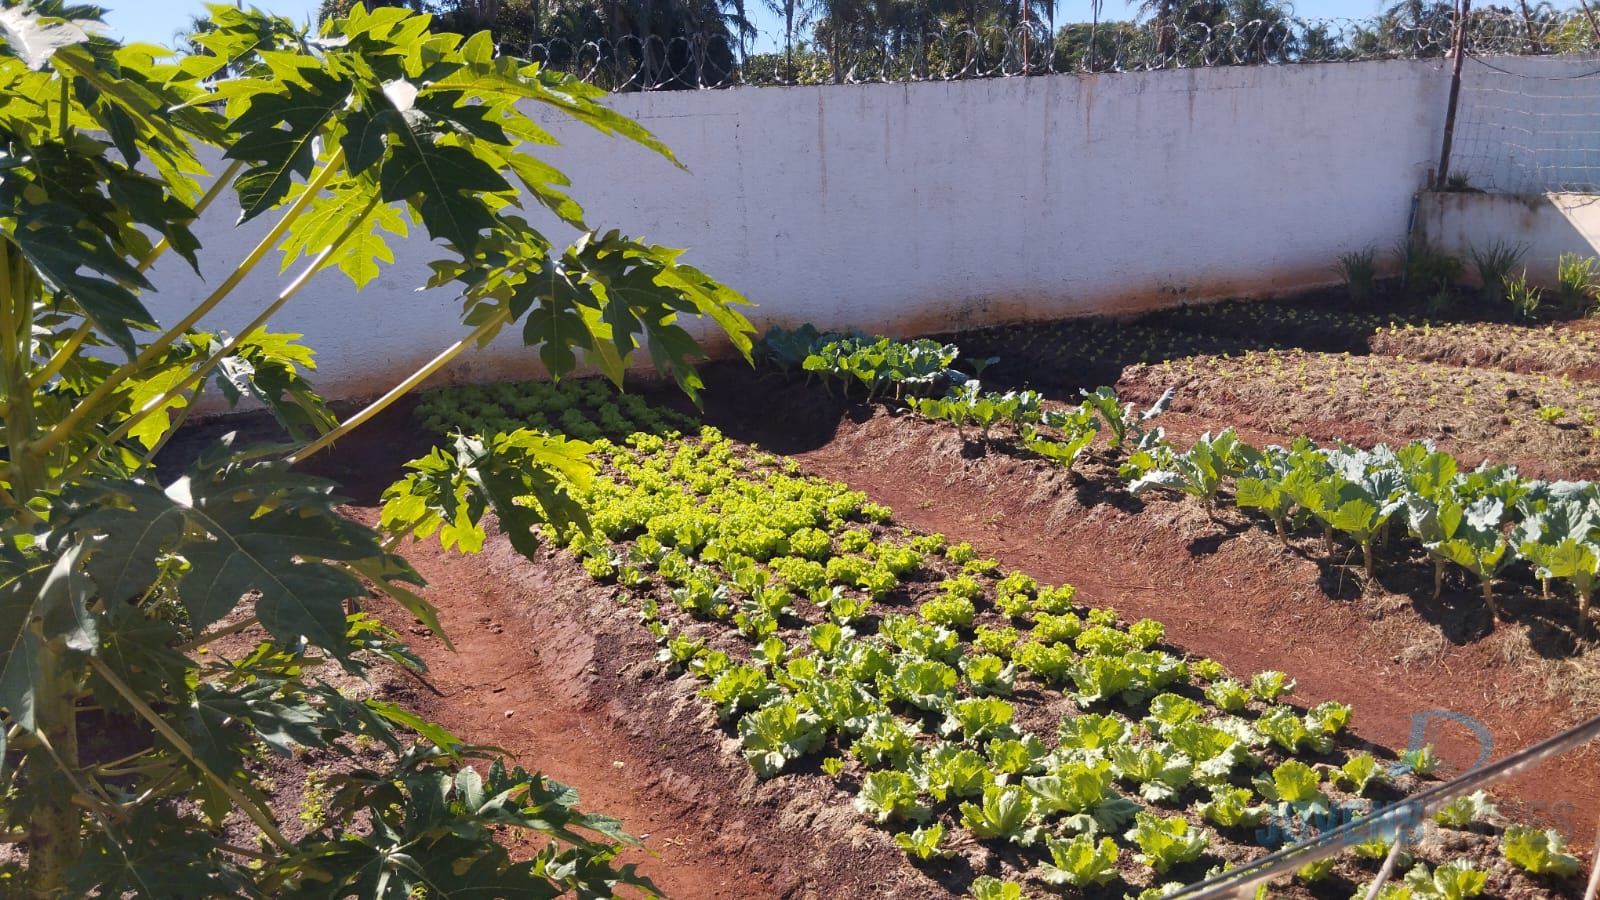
1594, 868
1400, 817
1389, 862
1455, 93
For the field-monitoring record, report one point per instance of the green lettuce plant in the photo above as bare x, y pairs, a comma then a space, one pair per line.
1296, 786
778, 734
1455, 880
889, 796
1358, 774
949, 770
1230, 807
1167, 842
1082, 792
1091, 735
1228, 695
989, 674
979, 718
1269, 686
923, 844
1539, 852
1463, 811
1216, 753
1160, 772
1006, 812
1080, 862
1025, 755
987, 887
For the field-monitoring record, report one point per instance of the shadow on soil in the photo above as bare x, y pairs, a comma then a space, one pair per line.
1085, 353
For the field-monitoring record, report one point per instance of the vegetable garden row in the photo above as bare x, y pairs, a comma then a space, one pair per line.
967, 707
964, 704
1484, 520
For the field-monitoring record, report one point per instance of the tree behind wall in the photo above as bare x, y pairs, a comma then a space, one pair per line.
632, 44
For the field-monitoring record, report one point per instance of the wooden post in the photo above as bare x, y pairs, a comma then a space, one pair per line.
1455, 92
1594, 24
1527, 22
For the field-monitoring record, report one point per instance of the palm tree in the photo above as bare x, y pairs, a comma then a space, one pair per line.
1417, 27
1162, 22
796, 14
1264, 29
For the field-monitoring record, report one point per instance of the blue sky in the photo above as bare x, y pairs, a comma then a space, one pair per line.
156, 21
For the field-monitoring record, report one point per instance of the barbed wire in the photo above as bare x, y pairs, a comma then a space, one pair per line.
1188, 36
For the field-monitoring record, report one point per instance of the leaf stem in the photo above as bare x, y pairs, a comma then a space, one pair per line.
242, 625
88, 404
260, 817
496, 320
66, 351
25, 516
247, 854
198, 374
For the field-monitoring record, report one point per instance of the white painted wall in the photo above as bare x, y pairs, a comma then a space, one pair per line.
1547, 225
920, 207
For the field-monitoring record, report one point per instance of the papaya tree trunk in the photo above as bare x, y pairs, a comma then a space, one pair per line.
1488, 599
1438, 577
54, 833
1583, 611
1283, 532
1367, 558
53, 836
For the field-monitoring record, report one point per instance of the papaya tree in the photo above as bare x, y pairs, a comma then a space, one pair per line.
114, 581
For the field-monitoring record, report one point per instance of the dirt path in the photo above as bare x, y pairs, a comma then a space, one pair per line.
521, 679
